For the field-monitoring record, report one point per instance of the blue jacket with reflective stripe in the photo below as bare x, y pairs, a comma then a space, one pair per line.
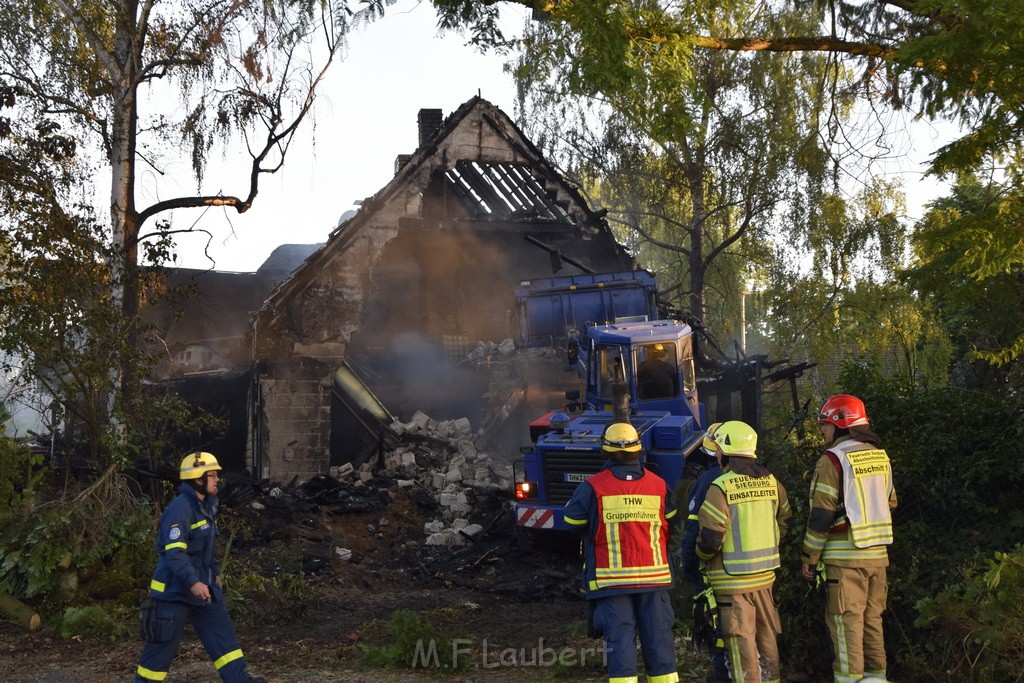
690, 563
184, 548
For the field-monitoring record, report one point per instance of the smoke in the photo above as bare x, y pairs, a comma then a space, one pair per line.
425, 377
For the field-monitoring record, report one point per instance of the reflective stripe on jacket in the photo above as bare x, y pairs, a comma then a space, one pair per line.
751, 542
630, 538
717, 519
867, 487
185, 547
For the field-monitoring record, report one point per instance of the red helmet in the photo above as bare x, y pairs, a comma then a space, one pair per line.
844, 411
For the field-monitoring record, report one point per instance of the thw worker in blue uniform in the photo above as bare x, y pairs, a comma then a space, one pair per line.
690, 563
186, 586
623, 511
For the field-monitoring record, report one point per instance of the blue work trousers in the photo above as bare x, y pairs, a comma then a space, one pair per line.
717, 657
621, 617
214, 628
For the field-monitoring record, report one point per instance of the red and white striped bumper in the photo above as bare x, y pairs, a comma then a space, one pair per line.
534, 517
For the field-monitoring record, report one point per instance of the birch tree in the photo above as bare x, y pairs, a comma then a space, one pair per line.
696, 157
952, 60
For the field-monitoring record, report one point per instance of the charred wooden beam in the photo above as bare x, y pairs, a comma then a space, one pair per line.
529, 225
551, 250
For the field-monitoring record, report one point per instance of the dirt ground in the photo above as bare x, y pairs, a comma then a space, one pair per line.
323, 644
507, 607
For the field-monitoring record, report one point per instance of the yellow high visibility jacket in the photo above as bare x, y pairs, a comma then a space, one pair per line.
743, 517
830, 534
867, 484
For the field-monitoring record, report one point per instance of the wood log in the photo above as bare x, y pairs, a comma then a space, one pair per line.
15, 610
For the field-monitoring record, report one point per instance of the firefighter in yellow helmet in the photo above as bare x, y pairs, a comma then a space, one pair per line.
740, 524
702, 463
848, 529
186, 585
624, 512
689, 562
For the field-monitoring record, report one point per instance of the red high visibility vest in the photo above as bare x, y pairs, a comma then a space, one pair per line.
631, 539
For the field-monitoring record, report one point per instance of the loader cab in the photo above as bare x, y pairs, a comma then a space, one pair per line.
654, 359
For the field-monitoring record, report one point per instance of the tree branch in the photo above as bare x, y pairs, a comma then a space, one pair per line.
101, 52
789, 44
242, 205
743, 44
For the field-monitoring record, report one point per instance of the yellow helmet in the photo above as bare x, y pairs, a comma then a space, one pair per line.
621, 437
737, 438
197, 464
708, 445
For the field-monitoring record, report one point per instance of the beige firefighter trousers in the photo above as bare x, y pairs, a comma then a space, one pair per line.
853, 612
750, 624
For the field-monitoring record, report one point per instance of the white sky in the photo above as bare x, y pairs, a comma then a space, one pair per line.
365, 117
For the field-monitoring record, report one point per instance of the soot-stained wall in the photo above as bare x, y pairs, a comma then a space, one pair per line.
414, 281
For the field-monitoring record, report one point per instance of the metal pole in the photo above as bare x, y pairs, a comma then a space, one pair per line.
743, 322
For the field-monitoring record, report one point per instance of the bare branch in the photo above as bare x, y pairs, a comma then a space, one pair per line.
241, 205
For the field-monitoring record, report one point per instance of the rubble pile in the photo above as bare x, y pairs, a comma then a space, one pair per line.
434, 508
437, 461
291, 514
441, 460
488, 350
472, 540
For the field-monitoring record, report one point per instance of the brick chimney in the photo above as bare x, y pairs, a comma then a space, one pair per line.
430, 121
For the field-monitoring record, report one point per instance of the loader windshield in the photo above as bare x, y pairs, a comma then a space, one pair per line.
657, 371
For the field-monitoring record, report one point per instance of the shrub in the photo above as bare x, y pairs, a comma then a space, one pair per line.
92, 620
46, 552
979, 622
957, 470
415, 642
20, 472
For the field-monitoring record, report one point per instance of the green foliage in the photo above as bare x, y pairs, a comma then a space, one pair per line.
952, 59
943, 473
413, 637
61, 323
948, 59
46, 552
267, 578
672, 142
93, 620
969, 261
160, 424
964, 64
20, 473
957, 493
83, 90
979, 622
241, 70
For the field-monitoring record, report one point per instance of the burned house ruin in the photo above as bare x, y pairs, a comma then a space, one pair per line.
199, 326
376, 324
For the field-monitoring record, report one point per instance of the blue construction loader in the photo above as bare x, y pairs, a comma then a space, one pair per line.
631, 366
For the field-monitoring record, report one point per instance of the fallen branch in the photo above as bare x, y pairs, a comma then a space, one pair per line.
17, 611
96, 484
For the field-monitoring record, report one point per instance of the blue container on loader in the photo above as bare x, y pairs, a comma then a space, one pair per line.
631, 366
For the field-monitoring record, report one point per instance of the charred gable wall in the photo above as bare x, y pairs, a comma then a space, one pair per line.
425, 270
